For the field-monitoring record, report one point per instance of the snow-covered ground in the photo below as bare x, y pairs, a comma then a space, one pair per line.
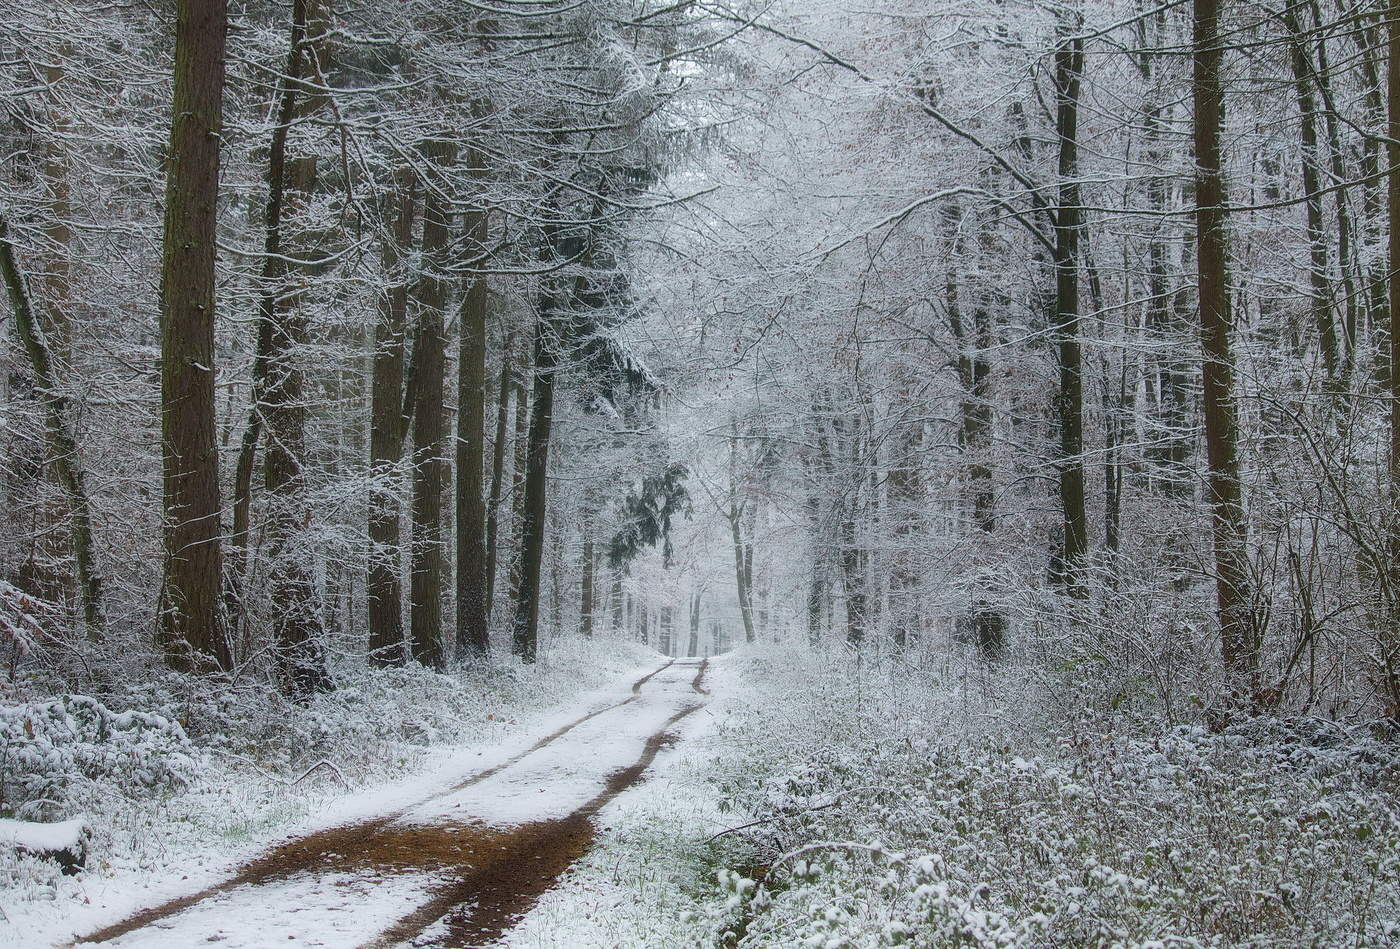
150, 850
333, 906
816, 801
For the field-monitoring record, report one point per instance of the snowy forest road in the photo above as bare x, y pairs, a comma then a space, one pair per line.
454, 870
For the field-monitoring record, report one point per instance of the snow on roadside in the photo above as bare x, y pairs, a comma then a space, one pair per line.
148, 849
42, 838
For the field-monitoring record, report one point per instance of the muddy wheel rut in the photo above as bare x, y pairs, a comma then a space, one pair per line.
487, 877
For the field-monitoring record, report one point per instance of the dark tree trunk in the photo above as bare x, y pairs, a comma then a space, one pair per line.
615, 599
743, 556
1238, 647
520, 453
1319, 280
905, 487
585, 618
191, 623
853, 582
498, 460
279, 403
1390, 658
525, 634
388, 424
473, 633
1069, 65
427, 552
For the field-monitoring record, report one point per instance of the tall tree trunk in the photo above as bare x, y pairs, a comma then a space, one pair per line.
853, 581
693, 648
1238, 647
279, 403
1391, 645
57, 280
586, 605
520, 444
1319, 280
1168, 446
473, 631
296, 624
63, 442
1374, 193
498, 459
427, 555
388, 425
615, 604
525, 633
1069, 66
191, 624
905, 487
743, 556
974, 434
271, 305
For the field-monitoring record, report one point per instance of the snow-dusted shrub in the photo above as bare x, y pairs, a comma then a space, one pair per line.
55, 753
901, 827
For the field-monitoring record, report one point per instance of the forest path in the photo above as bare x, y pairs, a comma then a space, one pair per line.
455, 869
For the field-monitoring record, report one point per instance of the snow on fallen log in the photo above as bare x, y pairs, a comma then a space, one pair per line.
64, 842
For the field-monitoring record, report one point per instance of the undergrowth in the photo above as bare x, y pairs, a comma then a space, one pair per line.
894, 808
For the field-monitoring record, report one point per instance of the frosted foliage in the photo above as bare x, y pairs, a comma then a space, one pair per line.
898, 827
74, 751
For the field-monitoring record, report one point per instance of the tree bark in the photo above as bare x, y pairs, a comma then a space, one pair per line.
1069, 66
1391, 645
974, 434
427, 554
525, 632
586, 604
473, 633
1239, 650
271, 305
296, 625
498, 459
520, 444
1319, 280
388, 424
905, 486
191, 624
279, 403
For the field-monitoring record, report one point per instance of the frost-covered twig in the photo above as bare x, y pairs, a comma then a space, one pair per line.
777, 817
323, 763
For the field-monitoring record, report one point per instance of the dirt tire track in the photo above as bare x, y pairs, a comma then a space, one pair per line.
697, 683
637, 686
485, 902
320, 848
